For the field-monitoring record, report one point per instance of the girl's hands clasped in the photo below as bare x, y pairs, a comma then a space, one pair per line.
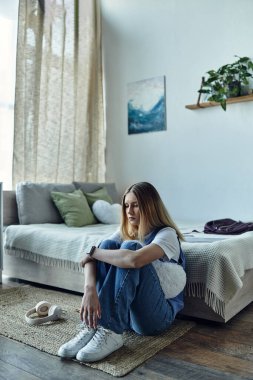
90, 310
86, 260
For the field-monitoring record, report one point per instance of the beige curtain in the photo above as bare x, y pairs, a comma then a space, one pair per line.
59, 133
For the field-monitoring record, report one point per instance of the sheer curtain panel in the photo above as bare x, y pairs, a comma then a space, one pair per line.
59, 133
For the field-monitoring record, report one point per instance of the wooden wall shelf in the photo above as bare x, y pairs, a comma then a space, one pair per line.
239, 99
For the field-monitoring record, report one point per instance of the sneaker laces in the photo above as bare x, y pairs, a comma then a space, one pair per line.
83, 329
101, 336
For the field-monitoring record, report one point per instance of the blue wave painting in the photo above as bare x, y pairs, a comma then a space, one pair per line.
146, 106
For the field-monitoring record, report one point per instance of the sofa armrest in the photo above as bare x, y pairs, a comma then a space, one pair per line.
10, 210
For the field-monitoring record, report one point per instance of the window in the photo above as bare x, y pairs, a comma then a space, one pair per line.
8, 37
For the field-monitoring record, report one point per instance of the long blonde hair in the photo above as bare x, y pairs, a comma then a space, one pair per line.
153, 213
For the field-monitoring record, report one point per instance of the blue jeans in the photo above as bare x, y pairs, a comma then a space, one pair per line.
131, 299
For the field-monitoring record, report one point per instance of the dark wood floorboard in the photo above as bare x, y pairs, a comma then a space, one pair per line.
8, 372
209, 351
223, 347
183, 370
40, 364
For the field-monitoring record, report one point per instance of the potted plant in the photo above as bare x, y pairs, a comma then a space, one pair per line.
227, 81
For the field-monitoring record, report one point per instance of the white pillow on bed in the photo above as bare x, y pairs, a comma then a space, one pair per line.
107, 213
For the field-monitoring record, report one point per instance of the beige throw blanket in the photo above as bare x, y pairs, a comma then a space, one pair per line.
55, 244
214, 270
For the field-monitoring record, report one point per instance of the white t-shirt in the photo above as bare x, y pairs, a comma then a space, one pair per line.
166, 238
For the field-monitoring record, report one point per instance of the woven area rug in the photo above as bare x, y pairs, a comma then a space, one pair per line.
48, 337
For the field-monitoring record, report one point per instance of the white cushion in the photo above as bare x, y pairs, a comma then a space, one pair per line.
107, 213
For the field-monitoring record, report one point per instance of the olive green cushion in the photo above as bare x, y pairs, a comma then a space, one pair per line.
100, 194
74, 208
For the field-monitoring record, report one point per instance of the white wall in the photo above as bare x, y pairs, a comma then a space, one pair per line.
202, 165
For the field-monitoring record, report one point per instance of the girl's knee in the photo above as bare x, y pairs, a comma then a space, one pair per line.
133, 245
109, 244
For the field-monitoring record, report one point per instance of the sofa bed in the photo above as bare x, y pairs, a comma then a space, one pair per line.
42, 244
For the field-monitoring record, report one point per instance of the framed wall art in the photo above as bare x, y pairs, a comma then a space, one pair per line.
146, 100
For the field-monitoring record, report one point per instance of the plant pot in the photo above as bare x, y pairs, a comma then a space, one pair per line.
234, 89
246, 90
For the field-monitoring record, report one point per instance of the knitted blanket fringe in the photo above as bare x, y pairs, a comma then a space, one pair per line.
200, 291
44, 260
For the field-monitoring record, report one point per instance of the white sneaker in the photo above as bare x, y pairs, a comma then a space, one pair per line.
71, 348
103, 343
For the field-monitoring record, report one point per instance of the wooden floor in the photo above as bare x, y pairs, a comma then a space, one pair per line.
209, 351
